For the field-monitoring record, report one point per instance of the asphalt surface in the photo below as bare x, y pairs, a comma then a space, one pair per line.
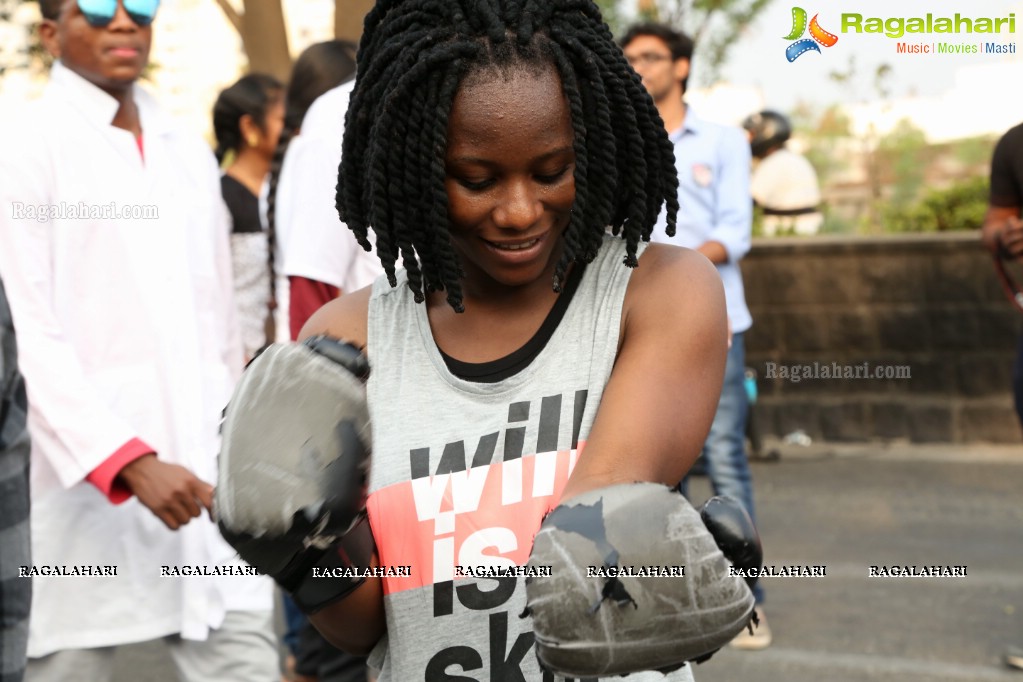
857, 507
849, 508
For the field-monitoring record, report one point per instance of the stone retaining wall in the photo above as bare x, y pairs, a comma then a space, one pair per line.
930, 303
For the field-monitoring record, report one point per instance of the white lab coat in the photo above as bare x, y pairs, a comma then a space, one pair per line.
126, 329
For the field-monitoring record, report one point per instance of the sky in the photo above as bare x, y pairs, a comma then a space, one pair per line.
758, 56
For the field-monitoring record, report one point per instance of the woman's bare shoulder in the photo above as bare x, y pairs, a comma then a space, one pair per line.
346, 318
673, 279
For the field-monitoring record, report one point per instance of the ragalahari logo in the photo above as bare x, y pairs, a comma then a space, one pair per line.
817, 35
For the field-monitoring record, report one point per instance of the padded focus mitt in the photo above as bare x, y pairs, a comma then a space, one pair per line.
293, 468
612, 623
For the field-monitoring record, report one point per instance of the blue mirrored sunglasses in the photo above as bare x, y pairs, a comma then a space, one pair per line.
99, 13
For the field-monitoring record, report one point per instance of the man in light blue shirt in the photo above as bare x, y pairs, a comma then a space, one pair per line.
713, 164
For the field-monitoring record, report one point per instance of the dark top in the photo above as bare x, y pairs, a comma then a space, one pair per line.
1007, 170
13, 398
508, 366
15, 592
243, 205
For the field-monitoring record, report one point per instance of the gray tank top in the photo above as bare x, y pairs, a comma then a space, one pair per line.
464, 472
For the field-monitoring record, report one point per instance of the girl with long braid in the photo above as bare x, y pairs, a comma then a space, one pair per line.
247, 121
540, 376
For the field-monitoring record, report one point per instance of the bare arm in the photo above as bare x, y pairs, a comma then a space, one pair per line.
172, 492
714, 251
1003, 229
355, 623
660, 400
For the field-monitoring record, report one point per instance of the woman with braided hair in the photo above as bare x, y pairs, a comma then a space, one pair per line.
532, 360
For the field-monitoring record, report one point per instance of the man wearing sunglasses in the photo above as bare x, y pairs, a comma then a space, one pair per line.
114, 253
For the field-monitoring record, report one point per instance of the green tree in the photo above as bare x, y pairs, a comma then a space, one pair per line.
826, 135
959, 207
870, 140
713, 24
611, 12
974, 152
901, 159
825, 132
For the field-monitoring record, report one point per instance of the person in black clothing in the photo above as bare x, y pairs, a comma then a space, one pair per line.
15, 591
247, 121
1002, 234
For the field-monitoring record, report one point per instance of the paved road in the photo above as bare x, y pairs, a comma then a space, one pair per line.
861, 507
850, 508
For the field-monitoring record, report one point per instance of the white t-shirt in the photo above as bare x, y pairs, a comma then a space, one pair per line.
786, 181
315, 243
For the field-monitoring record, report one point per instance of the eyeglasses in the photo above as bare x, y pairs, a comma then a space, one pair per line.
646, 58
100, 13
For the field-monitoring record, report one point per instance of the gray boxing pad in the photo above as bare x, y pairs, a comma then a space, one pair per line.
589, 626
295, 437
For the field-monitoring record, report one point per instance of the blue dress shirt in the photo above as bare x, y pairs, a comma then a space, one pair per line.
713, 164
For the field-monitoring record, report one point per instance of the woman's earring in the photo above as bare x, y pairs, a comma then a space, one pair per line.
253, 140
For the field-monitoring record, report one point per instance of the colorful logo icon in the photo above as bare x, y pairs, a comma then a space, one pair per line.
817, 35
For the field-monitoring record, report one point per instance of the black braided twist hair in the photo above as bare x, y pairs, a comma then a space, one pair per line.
412, 59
